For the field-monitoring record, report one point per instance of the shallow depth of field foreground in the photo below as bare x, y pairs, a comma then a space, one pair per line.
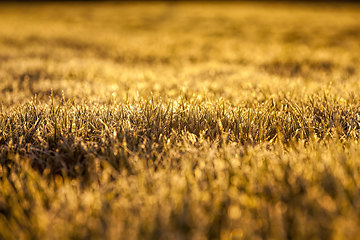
179, 121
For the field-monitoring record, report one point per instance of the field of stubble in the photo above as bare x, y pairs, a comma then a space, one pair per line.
179, 121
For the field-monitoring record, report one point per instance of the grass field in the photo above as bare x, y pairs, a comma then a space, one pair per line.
179, 121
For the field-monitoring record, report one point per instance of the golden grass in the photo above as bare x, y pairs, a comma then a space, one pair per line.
179, 121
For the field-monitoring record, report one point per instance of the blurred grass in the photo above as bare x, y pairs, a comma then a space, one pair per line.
179, 121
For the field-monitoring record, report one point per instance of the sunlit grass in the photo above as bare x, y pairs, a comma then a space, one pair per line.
179, 121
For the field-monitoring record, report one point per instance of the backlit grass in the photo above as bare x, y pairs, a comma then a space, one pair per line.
179, 121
